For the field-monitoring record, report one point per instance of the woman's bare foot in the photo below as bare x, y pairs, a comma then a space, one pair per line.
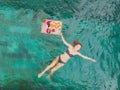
40, 74
48, 76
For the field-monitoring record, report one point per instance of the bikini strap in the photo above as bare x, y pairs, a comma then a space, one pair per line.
68, 52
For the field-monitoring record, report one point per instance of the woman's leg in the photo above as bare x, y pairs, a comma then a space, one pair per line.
49, 67
53, 70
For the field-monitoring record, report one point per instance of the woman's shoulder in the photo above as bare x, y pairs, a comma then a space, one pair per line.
70, 48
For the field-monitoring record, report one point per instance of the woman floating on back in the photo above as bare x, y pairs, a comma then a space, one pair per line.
62, 59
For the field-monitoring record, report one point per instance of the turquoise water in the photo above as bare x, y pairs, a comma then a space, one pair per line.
24, 51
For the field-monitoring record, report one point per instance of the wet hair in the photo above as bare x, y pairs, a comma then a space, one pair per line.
75, 42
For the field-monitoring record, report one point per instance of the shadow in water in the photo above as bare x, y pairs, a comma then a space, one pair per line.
25, 85
18, 55
3, 43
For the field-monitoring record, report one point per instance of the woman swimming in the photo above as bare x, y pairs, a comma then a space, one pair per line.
61, 60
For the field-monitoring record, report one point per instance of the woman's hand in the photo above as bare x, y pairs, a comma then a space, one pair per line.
93, 60
60, 34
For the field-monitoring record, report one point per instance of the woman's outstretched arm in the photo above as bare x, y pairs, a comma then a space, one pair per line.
85, 57
64, 41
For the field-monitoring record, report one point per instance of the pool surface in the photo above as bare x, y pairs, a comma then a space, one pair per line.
25, 51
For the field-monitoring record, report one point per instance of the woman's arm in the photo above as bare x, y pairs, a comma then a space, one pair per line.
66, 43
85, 57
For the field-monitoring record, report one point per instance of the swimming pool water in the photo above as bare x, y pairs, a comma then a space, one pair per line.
25, 51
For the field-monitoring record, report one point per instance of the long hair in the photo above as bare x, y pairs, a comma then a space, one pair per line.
75, 42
